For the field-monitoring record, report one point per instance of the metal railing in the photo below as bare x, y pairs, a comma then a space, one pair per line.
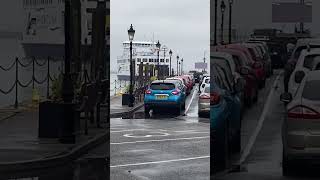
17, 64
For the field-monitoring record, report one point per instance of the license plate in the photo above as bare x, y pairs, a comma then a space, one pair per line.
161, 97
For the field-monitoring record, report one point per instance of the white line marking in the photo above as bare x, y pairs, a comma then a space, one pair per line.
125, 130
188, 107
147, 136
159, 140
159, 162
253, 138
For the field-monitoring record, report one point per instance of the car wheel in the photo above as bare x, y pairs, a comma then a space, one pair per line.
178, 109
286, 167
184, 106
255, 98
200, 114
146, 112
236, 142
221, 153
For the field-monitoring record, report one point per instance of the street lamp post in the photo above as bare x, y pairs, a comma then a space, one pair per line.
223, 8
230, 20
177, 65
215, 22
170, 53
158, 45
181, 66
179, 73
131, 32
67, 86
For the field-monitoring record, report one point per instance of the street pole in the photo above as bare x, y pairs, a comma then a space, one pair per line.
158, 68
158, 45
67, 86
179, 72
301, 24
182, 66
131, 78
215, 22
230, 20
223, 6
204, 60
177, 66
131, 33
170, 71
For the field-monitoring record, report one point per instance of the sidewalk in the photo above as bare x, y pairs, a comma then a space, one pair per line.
21, 149
117, 110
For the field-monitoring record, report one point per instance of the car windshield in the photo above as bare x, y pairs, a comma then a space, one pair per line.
162, 86
311, 89
207, 89
207, 81
308, 60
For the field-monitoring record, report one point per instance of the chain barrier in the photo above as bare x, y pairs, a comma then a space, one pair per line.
33, 80
9, 68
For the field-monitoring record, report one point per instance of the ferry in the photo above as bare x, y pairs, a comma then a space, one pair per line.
143, 52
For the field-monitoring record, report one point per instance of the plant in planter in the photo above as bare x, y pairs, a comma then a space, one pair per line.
56, 118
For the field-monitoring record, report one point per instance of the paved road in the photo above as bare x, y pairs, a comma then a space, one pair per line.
164, 146
264, 160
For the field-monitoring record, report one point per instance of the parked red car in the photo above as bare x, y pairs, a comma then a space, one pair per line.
251, 90
188, 83
256, 65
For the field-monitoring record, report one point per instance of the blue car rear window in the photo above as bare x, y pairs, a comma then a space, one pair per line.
162, 86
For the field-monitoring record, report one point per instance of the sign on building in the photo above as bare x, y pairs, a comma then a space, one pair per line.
200, 65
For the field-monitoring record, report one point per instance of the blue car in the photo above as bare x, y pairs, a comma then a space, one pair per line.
165, 94
225, 111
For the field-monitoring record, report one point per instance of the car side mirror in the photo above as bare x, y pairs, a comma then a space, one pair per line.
244, 71
298, 76
286, 97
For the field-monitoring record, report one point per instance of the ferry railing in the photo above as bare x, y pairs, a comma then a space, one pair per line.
17, 64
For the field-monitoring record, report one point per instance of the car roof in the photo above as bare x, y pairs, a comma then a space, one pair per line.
305, 41
164, 81
221, 55
312, 51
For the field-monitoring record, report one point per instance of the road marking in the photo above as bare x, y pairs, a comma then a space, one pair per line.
125, 130
253, 137
188, 107
159, 140
159, 162
147, 136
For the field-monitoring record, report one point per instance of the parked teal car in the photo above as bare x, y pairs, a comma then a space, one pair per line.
165, 94
225, 110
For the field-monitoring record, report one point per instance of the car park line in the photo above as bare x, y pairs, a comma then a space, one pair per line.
159, 140
160, 162
190, 102
253, 137
125, 130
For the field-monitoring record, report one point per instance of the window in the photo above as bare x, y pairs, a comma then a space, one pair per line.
139, 60
308, 61
161, 60
167, 60
150, 60
145, 60
310, 90
162, 86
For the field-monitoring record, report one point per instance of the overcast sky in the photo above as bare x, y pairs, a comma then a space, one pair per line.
181, 25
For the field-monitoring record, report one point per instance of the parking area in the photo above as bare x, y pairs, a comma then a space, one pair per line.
164, 146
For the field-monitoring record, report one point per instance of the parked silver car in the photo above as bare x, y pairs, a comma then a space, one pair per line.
204, 102
301, 126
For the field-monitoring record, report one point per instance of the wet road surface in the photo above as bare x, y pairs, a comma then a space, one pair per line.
164, 146
264, 160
